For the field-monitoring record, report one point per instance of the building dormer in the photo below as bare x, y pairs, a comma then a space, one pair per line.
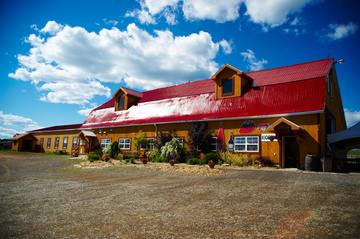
125, 98
230, 82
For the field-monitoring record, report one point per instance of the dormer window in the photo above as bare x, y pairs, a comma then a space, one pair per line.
125, 98
121, 102
227, 87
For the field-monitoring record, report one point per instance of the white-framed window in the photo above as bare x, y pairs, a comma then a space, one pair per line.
42, 142
82, 142
124, 143
48, 144
246, 144
56, 143
181, 140
75, 141
104, 143
150, 146
214, 141
65, 142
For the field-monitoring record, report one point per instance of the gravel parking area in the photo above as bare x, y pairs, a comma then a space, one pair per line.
46, 197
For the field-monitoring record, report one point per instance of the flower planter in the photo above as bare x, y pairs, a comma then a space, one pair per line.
105, 158
144, 160
172, 162
211, 164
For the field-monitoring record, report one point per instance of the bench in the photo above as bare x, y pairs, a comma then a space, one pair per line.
61, 151
130, 154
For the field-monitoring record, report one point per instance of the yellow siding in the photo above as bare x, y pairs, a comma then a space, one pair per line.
52, 135
308, 142
334, 103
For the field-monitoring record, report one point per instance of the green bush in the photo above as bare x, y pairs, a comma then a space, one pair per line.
130, 160
212, 156
120, 157
93, 156
194, 161
235, 159
152, 154
159, 159
114, 150
141, 141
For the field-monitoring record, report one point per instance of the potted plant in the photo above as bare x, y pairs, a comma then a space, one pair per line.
212, 159
144, 159
211, 164
172, 162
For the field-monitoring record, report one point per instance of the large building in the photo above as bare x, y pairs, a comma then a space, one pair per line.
280, 114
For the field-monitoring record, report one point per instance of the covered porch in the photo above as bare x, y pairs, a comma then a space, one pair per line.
86, 142
289, 136
24, 142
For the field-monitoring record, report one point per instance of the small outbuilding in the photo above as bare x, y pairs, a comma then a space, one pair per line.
24, 142
346, 148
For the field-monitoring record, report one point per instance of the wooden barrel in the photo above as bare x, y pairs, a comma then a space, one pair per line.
309, 162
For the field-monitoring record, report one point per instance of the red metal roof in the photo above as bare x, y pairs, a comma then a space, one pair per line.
277, 75
284, 90
291, 97
186, 89
291, 73
59, 127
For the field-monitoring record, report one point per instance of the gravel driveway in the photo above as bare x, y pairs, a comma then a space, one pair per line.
46, 197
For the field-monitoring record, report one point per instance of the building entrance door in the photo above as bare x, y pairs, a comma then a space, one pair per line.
290, 152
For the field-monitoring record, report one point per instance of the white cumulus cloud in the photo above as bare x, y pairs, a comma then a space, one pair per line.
11, 124
253, 63
272, 13
268, 13
219, 11
74, 65
150, 9
52, 27
340, 31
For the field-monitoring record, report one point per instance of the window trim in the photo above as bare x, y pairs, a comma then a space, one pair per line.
82, 142
222, 87
124, 143
41, 142
121, 107
246, 144
65, 144
150, 145
48, 143
216, 143
56, 145
75, 142
106, 144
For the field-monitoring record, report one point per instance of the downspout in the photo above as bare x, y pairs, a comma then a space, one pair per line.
155, 130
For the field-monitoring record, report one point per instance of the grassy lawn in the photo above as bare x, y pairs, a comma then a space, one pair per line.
46, 197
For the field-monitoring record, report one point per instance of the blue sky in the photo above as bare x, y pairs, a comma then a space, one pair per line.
61, 58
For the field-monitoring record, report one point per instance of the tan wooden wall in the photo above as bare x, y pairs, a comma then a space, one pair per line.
308, 143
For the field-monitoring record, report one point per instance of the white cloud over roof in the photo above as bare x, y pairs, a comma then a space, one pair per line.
11, 124
253, 63
340, 31
72, 65
268, 13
